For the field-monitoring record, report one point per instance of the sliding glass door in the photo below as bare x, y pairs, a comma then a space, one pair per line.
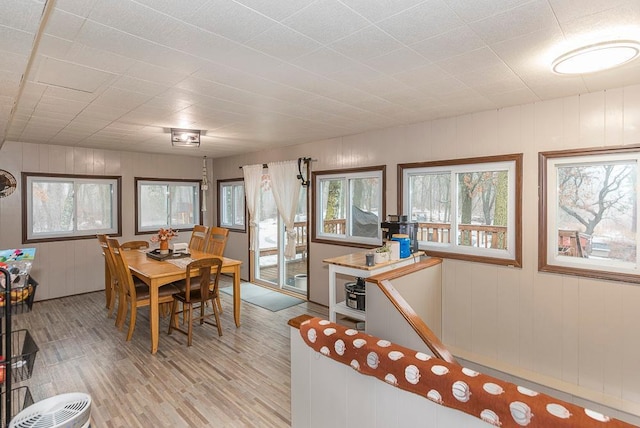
270, 266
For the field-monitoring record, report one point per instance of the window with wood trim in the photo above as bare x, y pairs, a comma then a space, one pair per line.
64, 207
589, 213
166, 203
466, 209
231, 204
349, 206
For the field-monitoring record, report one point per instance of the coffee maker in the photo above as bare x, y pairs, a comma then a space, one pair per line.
399, 224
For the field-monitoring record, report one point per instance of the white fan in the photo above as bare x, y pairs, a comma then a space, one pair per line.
72, 410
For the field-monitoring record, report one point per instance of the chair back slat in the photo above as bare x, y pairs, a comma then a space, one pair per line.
134, 245
198, 237
217, 241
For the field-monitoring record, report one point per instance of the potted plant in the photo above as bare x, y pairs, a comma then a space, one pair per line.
382, 254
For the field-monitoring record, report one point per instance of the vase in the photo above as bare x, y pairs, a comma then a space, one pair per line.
164, 247
381, 257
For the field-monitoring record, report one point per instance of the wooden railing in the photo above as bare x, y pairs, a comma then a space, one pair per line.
474, 235
335, 227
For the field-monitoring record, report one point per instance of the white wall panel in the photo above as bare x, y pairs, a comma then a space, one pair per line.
614, 117
570, 329
631, 120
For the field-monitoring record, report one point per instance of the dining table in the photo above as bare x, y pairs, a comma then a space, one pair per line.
156, 273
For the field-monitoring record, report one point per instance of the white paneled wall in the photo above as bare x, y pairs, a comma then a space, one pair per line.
72, 267
580, 333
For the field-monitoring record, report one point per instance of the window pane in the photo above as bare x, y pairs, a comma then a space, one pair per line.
52, 207
238, 211
365, 220
483, 209
183, 205
94, 206
430, 205
596, 211
333, 206
226, 206
154, 208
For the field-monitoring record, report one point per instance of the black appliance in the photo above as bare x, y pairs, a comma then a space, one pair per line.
398, 224
355, 294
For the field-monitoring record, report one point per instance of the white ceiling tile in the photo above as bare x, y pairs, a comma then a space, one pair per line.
420, 22
78, 7
13, 62
326, 21
230, 19
323, 61
283, 42
72, 76
98, 59
156, 74
102, 37
454, 42
397, 61
375, 10
132, 84
469, 61
421, 76
64, 25
21, 14
54, 46
611, 24
524, 19
16, 41
568, 10
176, 9
478, 9
366, 43
277, 10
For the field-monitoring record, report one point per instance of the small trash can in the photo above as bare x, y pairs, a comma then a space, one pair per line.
300, 281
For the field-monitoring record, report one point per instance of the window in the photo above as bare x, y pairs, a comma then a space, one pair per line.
166, 203
231, 208
466, 208
63, 207
348, 206
588, 213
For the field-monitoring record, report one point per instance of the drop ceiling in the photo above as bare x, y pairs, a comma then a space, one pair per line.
258, 74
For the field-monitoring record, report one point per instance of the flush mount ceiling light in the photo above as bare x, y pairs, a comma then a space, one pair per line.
185, 137
598, 57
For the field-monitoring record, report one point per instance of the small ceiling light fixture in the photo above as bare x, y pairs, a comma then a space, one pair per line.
185, 137
598, 57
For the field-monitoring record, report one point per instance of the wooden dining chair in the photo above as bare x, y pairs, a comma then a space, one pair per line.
135, 245
198, 237
195, 293
131, 294
216, 243
111, 286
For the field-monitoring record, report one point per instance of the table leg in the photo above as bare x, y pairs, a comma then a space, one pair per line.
236, 295
155, 317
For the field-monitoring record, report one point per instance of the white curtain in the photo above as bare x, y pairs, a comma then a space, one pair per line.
286, 190
252, 178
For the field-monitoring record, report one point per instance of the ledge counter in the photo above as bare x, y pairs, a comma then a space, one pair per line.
354, 265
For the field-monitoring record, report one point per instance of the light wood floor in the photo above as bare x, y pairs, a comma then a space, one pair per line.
241, 379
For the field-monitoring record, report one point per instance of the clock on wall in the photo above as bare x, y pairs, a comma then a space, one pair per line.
7, 183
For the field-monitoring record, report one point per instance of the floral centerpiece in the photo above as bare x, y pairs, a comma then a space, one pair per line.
163, 237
